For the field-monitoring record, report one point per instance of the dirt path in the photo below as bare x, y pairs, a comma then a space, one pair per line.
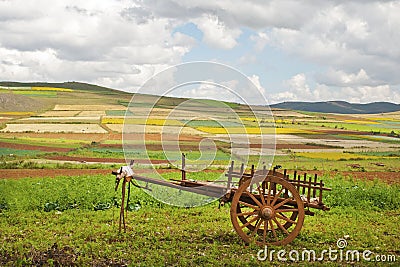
34, 147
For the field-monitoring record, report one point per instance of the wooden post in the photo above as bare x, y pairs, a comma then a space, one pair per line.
304, 186
122, 211
273, 185
252, 176
183, 167
315, 184
229, 185
309, 190
263, 184
321, 185
298, 182
285, 176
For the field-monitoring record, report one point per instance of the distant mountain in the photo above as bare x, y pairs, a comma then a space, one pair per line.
69, 85
341, 107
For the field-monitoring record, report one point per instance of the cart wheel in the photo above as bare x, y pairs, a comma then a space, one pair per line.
243, 219
270, 214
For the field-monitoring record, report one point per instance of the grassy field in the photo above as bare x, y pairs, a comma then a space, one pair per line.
73, 220
67, 219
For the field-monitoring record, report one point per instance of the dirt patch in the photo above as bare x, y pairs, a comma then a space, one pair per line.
158, 147
54, 128
71, 136
13, 102
33, 147
290, 146
56, 256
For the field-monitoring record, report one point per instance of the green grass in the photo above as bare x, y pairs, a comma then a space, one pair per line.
381, 128
17, 152
160, 235
100, 153
118, 113
209, 123
29, 164
35, 93
50, 142
293, 162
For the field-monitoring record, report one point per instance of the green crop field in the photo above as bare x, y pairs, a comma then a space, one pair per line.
76, 219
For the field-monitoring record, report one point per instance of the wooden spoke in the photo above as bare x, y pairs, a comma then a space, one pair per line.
261, 195
258, 224
282, 203
280, 226
265, 232
277, 196
249, 222
287, 210
254, 198
285, 218
247, 213
269, 195
273, 230
249, 205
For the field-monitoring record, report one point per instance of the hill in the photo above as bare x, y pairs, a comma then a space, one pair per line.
68, 85
12, 102
340, 107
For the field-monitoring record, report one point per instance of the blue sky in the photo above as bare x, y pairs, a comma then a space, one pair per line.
270, 64
291, 50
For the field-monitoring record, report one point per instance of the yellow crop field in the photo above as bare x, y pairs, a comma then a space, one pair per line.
158, 122
334, 156
52, 89
59, 113
361, 122
163, 122
89, 107
17, 113
153, 129
248, 130
283, 121
383, 118
112, 120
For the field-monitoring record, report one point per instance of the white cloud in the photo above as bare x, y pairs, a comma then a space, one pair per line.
88, 41
260, 41
341, 78
121, 43
348, 37
216, 33
298, 89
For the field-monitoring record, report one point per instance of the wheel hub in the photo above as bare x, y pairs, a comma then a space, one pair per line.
267, 213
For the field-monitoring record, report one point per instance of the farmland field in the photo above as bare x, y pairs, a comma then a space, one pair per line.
57, 199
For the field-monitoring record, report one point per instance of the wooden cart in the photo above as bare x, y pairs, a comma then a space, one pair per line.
267, 207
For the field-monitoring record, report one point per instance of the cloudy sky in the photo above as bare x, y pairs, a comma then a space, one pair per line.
292, 50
